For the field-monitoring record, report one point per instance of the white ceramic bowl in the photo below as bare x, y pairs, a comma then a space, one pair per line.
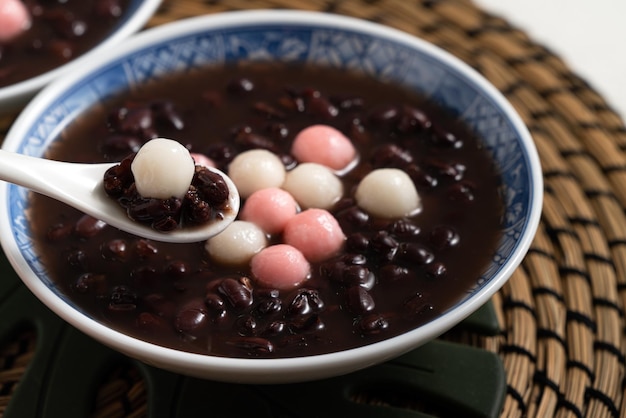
15, 96
293, 36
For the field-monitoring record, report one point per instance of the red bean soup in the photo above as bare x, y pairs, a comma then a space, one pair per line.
389, 276
60, 30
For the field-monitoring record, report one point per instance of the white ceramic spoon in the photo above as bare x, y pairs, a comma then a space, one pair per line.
81, 186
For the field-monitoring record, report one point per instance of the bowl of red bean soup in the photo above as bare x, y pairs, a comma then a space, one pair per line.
41, 40
387, 192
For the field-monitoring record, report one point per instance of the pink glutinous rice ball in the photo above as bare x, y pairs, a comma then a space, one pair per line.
14, 19
270, 209
316, 233
280, 266
324, 145
203, 160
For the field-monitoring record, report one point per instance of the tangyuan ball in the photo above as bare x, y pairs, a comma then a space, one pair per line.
324, 145
280, 266
314, 186
255, 170
316, 233
270, 209
14, 19
388, 193
163, 168
237, 244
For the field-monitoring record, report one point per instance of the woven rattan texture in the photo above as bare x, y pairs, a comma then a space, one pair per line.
561, 314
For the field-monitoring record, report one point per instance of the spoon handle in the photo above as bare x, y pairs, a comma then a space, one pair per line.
67, 182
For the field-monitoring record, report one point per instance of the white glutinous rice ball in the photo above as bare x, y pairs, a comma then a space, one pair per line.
255, 170
388, 193
313, 186
237, 244
163, 168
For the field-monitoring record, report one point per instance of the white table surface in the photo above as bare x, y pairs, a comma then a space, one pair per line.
589, 35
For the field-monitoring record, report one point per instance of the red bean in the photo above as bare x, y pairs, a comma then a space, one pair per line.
240, 86
177, 269
190, 320
358, 275
359, 300
373, 323
414, 253
160, 305
442, 168
404, 229
352, 217
211, 186
166, 114
108, 8
269, 306
91, 282
322, 107
246, 325
394, 272
384, 245
443, 236
59, 231
461, 192
120, 145
436, 270
251, 140
78, 259
305, 302
236, 293
447, 139
412, 119
122, 299
354, 259
115, 249
277, 130
274, 328
422, 179
293, 101
390, 156
357, 242
418, 304
347, 102
144, 276
214, 302
222, 154
268, 111
88, 226
306, 324
252, 345
145, 248
134, 121
384, 115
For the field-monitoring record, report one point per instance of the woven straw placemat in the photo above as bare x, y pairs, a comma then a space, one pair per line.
561, 314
